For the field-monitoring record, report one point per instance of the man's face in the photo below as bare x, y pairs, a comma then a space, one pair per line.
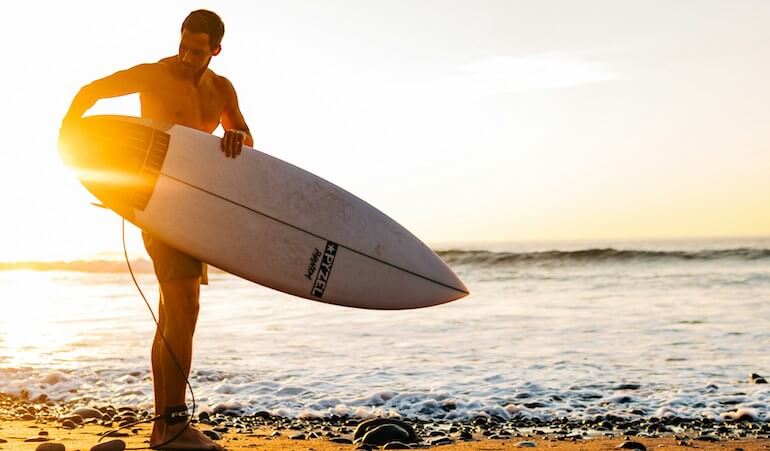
194, 51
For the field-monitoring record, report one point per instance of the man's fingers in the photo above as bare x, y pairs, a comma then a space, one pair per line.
232, 143
228, 144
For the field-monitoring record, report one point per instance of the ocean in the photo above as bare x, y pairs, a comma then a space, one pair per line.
551, 330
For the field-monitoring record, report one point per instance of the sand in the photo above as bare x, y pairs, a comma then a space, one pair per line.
84, 437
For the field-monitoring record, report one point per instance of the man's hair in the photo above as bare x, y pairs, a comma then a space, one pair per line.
205, 21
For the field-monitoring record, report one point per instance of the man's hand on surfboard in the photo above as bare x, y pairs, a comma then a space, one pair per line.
232, 142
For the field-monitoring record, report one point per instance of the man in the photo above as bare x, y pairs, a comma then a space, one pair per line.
182, 90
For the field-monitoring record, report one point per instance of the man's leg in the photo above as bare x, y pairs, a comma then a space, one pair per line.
178, 314
157, 367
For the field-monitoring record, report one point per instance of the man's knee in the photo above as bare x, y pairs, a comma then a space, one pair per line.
180, 296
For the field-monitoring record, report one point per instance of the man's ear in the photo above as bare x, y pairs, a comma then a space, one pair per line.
217, 50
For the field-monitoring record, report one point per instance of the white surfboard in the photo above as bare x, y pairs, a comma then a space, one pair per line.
256, 216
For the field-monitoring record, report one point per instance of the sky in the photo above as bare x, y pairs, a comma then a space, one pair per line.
465, 121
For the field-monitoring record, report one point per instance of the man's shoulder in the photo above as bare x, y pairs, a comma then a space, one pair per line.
224, 86
219, 80
166, 61
155, 69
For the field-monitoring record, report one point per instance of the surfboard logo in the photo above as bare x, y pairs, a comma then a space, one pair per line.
324, 270
312, 266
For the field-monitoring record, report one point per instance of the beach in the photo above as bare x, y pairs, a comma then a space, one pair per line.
27, 424
653, 340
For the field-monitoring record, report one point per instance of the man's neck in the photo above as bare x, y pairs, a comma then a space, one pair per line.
195, 77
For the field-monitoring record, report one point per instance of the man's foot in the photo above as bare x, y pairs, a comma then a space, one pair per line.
191, 439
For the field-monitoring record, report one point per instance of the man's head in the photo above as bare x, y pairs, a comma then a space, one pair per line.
202, 33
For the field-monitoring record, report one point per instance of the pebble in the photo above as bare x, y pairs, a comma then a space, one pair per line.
442, 441
77, 419
112, 445
526, 444
755, 378
297, 437
742, 414
37, 438
50, 447
88, 412
396, 445
366, 426
385, 433
213, 435
632, 445
341, 440
2, 440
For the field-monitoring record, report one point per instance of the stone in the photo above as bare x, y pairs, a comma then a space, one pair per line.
442, 441
50, 447
364, 427
77, 419
213, 435
396, 445
112, 445
341, 440
87, 412
37, 438
525, 444
385, 433
632, 445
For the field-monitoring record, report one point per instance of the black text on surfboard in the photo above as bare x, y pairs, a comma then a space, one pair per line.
325, 269
311, 267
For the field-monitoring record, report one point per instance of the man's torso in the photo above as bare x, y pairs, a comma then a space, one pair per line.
178, 100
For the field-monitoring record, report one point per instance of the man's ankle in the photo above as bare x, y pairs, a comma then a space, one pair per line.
175, 414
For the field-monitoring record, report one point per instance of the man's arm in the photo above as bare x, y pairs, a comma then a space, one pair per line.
237, 133
136, 79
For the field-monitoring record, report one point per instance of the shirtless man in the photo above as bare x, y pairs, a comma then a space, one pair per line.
182, 90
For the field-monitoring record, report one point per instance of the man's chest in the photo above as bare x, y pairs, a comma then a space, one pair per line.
197, 107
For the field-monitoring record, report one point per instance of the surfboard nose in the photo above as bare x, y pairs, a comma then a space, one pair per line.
451, 280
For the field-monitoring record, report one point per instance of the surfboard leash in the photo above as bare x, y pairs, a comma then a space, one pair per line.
175, 415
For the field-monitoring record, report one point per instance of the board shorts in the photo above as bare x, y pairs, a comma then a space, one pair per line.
170, 264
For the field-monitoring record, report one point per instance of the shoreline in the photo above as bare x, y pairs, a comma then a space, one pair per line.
79, 427
28, 434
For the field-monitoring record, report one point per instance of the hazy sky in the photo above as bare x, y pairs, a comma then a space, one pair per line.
463, 120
